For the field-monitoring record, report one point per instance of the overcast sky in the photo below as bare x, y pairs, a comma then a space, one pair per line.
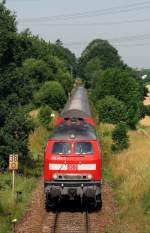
125, 24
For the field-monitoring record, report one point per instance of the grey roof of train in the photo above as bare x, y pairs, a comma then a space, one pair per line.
82, 132
78, 105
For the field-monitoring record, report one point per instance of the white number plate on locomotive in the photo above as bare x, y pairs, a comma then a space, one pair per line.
79, 167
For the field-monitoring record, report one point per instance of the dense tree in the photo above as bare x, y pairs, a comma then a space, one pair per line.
3, 113
66, 55
26, 63
52, 94
111, 110
65, 79
7, 36
103, 71
134, 111
120, 84
120, 137
14, 135
30, 46
99, 54
91, 68
37, 70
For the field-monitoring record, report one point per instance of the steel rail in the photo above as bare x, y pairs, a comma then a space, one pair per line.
54, 227
56, 223
87, 222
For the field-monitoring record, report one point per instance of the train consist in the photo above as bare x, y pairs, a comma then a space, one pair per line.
72, 163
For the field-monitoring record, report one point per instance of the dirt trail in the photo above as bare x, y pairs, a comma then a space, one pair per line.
37, 220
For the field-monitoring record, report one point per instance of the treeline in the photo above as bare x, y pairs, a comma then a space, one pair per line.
35, 73
116, 89
32, 73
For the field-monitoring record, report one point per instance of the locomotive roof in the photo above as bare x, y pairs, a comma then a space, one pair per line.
83, 131
78, 105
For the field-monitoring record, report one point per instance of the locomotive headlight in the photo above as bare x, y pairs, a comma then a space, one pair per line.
55, 176
89, 177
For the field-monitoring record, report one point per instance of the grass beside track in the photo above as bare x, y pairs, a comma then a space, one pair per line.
23, 184
129, 175
8, 210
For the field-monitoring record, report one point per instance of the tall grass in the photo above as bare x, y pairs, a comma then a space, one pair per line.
9, 209
128, 172
104, 134
131, 181
37, 142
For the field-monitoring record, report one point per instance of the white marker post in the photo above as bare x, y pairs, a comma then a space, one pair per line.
13, 165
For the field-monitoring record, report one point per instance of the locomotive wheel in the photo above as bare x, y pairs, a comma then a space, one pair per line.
50, 204
95, 205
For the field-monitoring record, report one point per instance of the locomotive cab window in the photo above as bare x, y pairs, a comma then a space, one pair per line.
83, 148
61, 148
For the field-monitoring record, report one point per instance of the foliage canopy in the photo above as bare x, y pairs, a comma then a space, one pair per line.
120, 137
26, 64
52, 94
111, 110
105, 74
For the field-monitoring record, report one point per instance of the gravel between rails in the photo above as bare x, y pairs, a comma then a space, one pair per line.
70, 223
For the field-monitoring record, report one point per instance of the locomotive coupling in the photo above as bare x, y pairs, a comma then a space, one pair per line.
72, 190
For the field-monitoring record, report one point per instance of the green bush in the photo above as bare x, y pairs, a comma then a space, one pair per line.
111, 110
45, 116
120, 137
52, 94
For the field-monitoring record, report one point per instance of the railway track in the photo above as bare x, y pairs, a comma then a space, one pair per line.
37, 220
66, 222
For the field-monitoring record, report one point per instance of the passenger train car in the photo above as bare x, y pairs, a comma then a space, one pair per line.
72, 164
77, 107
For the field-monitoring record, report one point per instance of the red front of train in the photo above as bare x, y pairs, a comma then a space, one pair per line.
72, 164
72, 157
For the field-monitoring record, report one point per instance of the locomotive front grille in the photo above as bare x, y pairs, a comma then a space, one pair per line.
68, 177
72, 177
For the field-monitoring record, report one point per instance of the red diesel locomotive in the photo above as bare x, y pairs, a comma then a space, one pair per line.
72, 164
